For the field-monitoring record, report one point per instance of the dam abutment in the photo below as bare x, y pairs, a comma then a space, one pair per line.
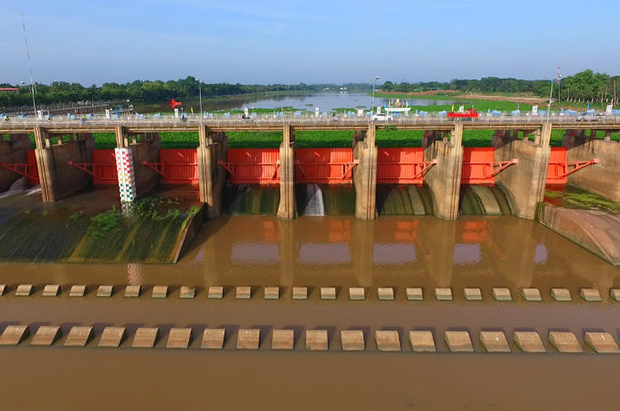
365, 174
287, 209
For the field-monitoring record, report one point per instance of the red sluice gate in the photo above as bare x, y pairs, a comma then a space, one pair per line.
28, 169
480, 167
102, 167
324, 165
177, 166
560, 168
402, 165
253, 165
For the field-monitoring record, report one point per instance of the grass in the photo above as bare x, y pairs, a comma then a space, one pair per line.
572, 197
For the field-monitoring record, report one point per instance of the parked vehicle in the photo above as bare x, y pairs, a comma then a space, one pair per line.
471, 113
382, 117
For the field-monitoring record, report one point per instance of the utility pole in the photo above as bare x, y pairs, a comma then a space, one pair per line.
372, 103
200, 94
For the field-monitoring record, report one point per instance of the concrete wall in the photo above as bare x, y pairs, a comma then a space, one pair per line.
59, 180
287, 208
599, 178
211, 176
145, 177
444, 179
12, 151
365, 176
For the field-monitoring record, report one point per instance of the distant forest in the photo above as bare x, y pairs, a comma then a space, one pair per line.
583, 86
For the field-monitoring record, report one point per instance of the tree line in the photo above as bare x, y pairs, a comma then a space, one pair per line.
586, 86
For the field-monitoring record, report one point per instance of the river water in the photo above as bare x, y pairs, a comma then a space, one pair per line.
338, 251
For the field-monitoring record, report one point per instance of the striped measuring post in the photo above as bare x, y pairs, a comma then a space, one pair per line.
126, 178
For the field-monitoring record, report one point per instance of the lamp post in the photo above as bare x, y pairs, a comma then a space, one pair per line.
200, 95
372, 102
550, 100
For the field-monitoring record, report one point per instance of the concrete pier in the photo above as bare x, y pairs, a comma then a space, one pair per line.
287, 209
444, 179
144, 147
212, 176
524, 183
365, 175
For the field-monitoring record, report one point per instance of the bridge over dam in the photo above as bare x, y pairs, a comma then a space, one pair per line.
519, 163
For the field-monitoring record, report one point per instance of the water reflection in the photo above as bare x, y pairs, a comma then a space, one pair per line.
324, 253
393, 254
255, 253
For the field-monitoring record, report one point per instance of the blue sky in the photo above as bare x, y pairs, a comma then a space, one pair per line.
308, 41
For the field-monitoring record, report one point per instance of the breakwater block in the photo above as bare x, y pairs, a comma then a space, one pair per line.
179, 338
614, 293
591, 295
300, 293
111, 337
529, 342
459, 341
145, 337
602, 343
23, 290
2, 289
243, 293
561, 294
13, 334
213, 338
51, 290
387, 341
472, 294
272, 293
494, 341
565, 342
105, 291
531, 294
414, 294
187, 292
283, 339
357, 293
160, 291
78, 336
77, 291
422, 341
132, 291
328, 293
443, 294
248, 339
215, 292
385, 293
316, 340
45, 335
352, 340
502, 294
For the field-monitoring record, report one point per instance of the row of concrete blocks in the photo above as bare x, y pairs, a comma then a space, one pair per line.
315, 340
327, 293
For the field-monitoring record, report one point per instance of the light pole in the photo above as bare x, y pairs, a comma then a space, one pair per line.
550, 100
372, 102
200, 95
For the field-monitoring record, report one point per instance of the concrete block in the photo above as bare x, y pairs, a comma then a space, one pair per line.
316, 340
422, 341
213, 338
443, 294
23, 290
565, 342
105, 291
13, 334
357, 293
111, 337
328, 293
459, 341
77, 291
51, 290
248, 339
472, 294
502, 294
215, 292
179, 338
494, 341
45, 335
561, 294
2, 289
352, 340
414, 294
160, 291
590, 295
187, 292
132, 291
531, 294
283, 339
385, 293
387, 340
78, 336
529, 342
243, 293
272, 293
145, 337
300, 293
614, 293
602, 343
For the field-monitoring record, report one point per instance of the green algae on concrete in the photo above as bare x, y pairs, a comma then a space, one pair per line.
574, 197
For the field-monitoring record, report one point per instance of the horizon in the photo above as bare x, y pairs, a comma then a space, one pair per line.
282, 43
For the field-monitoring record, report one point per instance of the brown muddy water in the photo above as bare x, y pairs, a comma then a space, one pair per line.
335, 251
